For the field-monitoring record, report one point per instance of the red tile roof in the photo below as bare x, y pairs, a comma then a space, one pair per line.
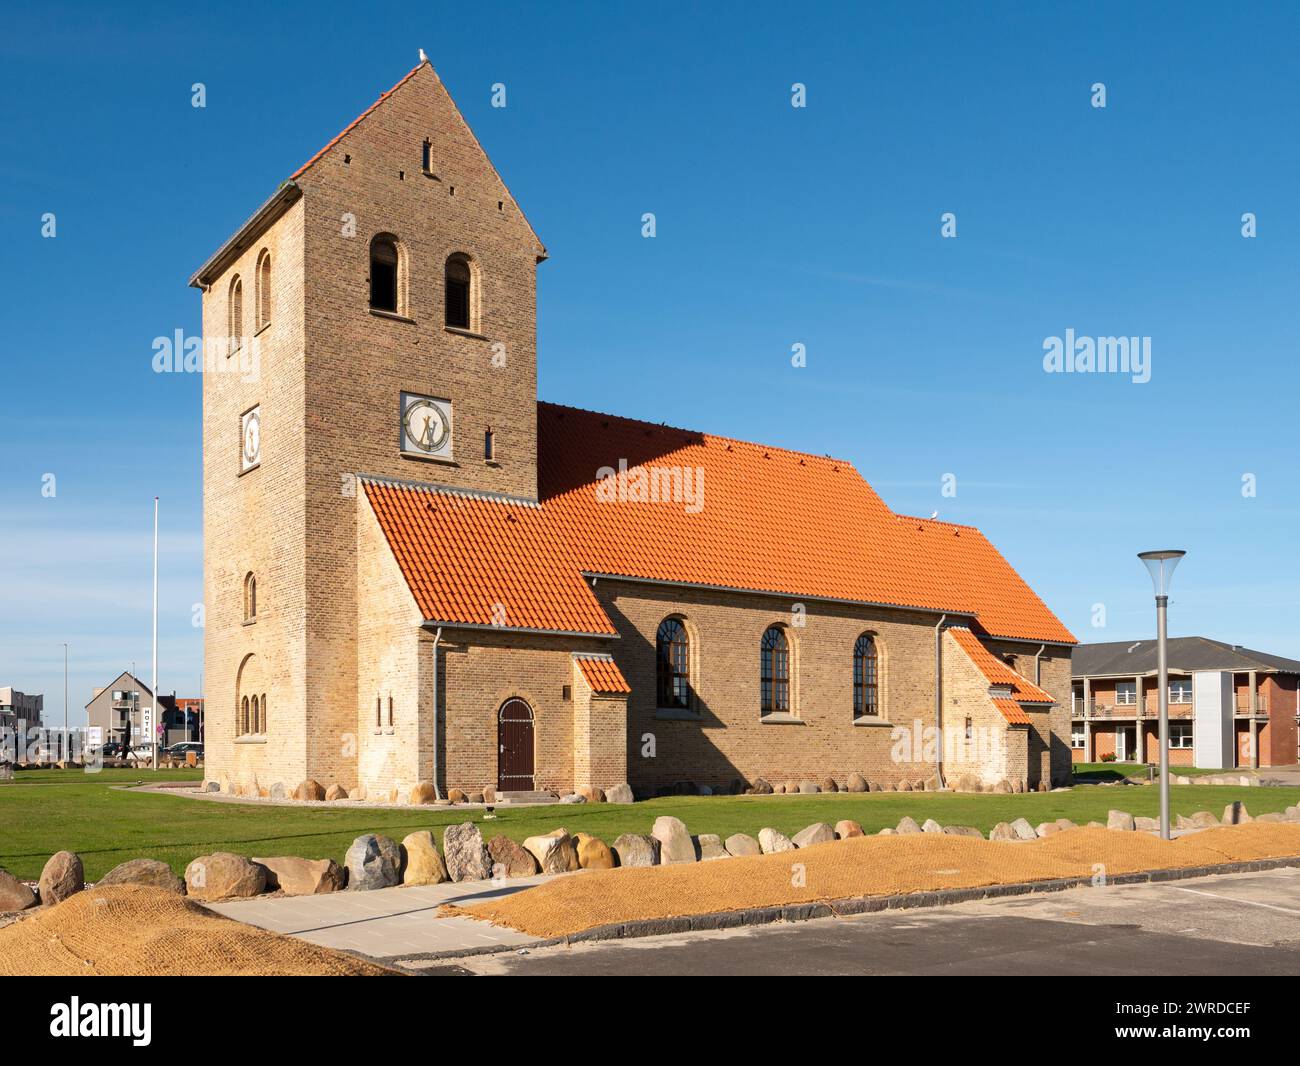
767, 520
478, 560
1012, 711
603, 675
996, 672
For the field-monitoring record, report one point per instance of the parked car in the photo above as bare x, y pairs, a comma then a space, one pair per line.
179, 751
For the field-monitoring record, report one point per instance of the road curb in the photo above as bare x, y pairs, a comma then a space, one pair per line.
849, 907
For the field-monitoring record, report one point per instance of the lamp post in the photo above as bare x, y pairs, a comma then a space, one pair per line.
1160, 565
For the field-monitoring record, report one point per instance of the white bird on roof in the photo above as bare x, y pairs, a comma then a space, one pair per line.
423, 58
934, 515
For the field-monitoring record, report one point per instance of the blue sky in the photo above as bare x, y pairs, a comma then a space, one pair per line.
775, 226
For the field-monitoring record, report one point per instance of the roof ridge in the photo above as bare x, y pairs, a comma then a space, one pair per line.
704, 434
364, 114
435, 488
936, 521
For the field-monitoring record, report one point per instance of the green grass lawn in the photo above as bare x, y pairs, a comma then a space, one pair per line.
1113, 771
43, 811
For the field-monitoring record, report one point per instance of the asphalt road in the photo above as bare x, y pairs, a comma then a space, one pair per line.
1240, 924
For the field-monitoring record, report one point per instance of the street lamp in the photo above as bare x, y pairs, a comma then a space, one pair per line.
1160, 565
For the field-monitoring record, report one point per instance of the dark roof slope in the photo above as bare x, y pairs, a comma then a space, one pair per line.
1185, 654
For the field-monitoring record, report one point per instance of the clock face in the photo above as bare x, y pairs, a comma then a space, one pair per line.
426, 425
251, 453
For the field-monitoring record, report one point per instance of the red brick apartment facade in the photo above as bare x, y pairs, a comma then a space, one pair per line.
415, 572
1244, 704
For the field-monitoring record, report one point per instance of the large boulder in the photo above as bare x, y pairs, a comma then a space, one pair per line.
334, 792
829, 784
424, 866
1121, 820
222, 875
742, 844
457, 795
709, 846
465, 854
846, 828
573, 797
510, 859
14, 895
791, 788
855, 783
309, 790
963, 831
636, 849
593, 853
620, 793
423, 793
555, 852
675, 844
931, 826
761, 787
1146, 825
590, 793
1002, 831
1204, 820
1046, 829
807, 788
907, 824
817, 833
1023, 830
62, 877
302, 877
1233, 814
149, 872
771, 842
373, 861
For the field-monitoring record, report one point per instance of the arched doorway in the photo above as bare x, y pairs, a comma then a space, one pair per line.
515, 747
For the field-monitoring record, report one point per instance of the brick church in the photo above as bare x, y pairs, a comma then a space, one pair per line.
416, 572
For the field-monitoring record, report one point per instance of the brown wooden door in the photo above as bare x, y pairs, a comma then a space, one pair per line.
515, 747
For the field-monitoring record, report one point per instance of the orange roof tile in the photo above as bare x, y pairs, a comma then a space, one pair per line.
1012, 711
996, 672
484, 561
689, 508
602, 674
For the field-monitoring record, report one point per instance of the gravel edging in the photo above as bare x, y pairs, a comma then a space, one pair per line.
845, 908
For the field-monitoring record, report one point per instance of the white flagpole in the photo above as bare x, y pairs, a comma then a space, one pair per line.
156, 716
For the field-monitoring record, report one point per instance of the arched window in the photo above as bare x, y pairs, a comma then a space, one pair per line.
384, 282
255, 721
460, 293
250, 597
774, 672
673, 664
236, 308
866, 678
243, 716
263, 723
264, 289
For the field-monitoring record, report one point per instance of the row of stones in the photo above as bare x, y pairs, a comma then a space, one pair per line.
422, 793
859, 783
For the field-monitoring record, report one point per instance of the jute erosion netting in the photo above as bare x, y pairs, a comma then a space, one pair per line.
131, 930
863, 866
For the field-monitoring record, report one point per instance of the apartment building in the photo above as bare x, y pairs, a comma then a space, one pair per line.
1229, 706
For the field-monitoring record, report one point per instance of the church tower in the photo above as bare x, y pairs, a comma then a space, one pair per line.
376, 317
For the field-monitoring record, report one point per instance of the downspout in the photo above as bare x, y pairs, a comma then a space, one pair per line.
1038, 667
437, 637
938, 697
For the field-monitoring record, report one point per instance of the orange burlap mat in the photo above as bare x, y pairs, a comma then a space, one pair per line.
863, 866
131, 930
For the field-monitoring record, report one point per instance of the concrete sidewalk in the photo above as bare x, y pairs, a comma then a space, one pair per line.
389, 922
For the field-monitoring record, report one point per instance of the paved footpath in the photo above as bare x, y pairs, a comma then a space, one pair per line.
386, 923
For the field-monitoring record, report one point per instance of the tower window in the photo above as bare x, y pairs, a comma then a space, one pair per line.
263, 301
250, 598
426, 159
459, 292
236, 312
489, 445
383, 274
774, 673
